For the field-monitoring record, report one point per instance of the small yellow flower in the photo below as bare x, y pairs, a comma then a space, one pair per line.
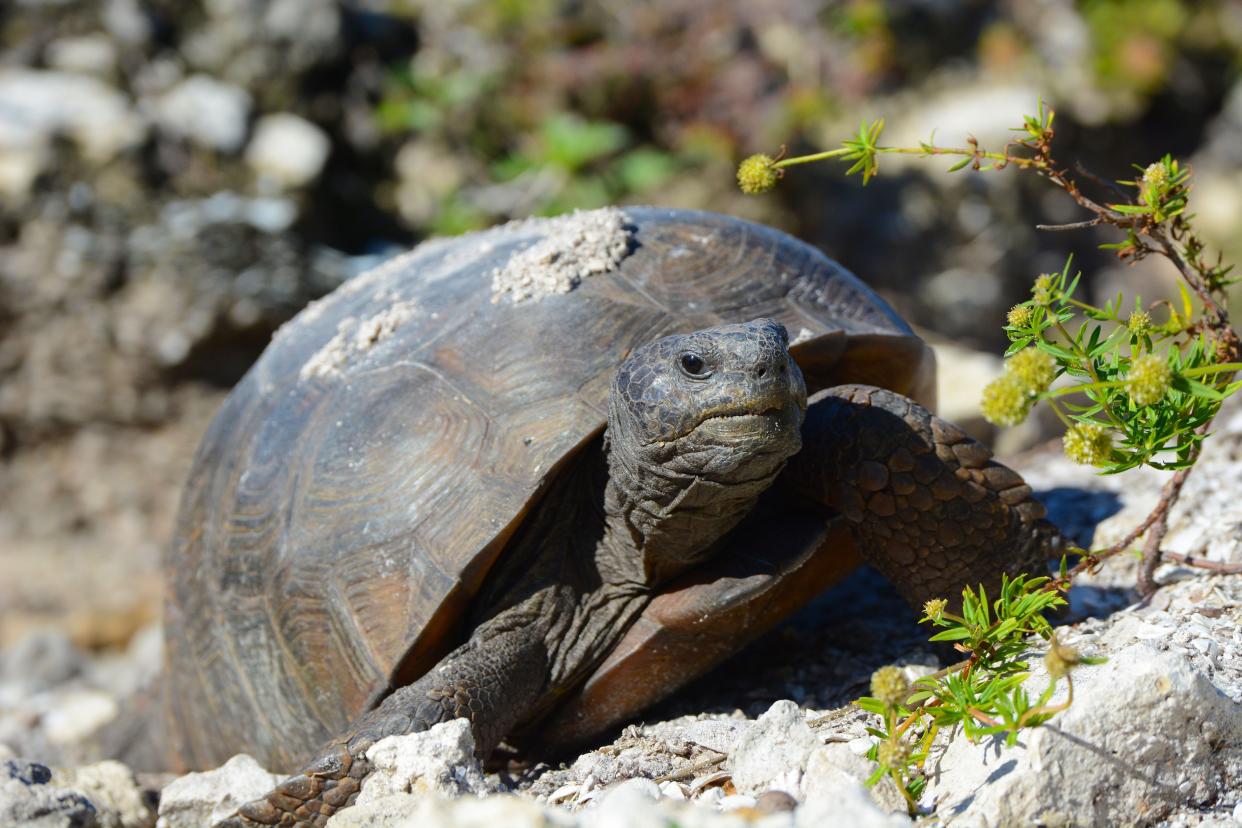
1034, 367
1155, 179
757, 174
1155, 175
1060, 659
894, 754
1139, 323
1006, 400
1042, 290
1149, 378
1019, 316
890, 685
1088, 443
934, 609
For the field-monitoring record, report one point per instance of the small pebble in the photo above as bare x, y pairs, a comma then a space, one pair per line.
735, 801
773, 802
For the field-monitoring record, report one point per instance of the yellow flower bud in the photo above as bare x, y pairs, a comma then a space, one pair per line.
1155, 175
1042, 290
1035, 368
1060, 659
894, 754
1019, 316
757, 174
890, 685
1149, 378
1006, 400
1139, 323
1088, 443
934, 609
1155, 179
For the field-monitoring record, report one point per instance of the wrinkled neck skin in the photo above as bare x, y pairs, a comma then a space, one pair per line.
687, 457
667, 503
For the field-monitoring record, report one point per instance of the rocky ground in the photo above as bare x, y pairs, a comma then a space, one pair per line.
1154, 736
177, 179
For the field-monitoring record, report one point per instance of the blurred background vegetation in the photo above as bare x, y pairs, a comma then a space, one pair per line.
179, 177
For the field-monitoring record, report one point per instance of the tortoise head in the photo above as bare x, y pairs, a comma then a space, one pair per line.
723, 404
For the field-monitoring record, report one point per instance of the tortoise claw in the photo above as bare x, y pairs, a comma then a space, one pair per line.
309, 798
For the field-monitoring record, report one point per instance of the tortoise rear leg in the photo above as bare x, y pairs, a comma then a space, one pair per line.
494, 680
928, 505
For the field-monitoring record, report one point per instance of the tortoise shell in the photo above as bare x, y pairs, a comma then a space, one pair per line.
357, 485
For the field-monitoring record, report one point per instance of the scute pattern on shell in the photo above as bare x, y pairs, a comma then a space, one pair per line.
334, 528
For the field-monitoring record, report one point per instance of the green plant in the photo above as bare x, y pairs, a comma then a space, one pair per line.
1137, 391
1138, 387
984, 694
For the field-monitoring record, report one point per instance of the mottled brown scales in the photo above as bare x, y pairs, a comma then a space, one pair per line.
440, 527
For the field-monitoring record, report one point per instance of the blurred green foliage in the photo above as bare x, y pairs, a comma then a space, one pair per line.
548, 106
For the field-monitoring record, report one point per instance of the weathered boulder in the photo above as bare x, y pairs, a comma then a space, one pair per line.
440, 760
1145, 735
773, 754
199, 799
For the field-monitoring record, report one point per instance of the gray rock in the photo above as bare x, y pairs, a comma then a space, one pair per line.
717, 735
632, 757
1207, 520
1146, 734
835, 774
774, 752
440, 760
852, 807
73, 714
37, 105
307, 25
93, 54
629, 804
413, 811
399, 810
114, 791
126, 21
206, 112
28, 799
199, 799
632, 805
41, 659
287, 150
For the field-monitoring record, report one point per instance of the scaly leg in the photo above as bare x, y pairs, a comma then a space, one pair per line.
493, 680
928, 505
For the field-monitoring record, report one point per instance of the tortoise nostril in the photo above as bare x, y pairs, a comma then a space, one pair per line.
760, 371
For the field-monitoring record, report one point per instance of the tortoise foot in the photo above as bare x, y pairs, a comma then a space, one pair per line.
929, 506
309, 798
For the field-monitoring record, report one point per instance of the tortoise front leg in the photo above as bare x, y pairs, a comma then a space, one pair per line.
494, 680
928, 506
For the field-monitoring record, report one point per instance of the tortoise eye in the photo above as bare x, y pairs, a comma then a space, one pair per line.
693, 365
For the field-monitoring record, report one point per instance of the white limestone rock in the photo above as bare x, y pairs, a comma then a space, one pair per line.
1146, 734
440, 760
287, 150
199, 799
206, 112
773, 753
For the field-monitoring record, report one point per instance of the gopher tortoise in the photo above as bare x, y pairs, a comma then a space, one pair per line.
545, 474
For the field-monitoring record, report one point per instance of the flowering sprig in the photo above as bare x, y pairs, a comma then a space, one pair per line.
863, 149
1133, 391
1137, 392
983, 694
1146, 392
